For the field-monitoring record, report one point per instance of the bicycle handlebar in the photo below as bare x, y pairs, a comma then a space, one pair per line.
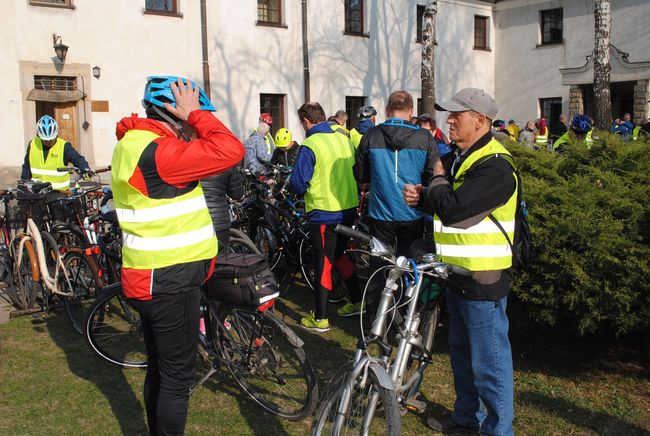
354, 234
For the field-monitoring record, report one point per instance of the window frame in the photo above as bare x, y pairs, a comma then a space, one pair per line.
278, 121
69, 4
346, 27
175, 13
550, 101
549, 13
486, 21
279, 23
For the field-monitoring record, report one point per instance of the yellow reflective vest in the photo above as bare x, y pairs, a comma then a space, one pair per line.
541, 140
45, 170
483, 246
355, 137
332, 187
635, 133
157, 232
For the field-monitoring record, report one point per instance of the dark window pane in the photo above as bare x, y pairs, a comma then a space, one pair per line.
352, 106
268, 11
274, 105
550, 108
161, 5
552, 26
354, 16
480, 32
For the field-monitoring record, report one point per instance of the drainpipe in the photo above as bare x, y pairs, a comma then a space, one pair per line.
305, 51
204, 44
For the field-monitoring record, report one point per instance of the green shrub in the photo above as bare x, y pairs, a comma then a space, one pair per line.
590, 222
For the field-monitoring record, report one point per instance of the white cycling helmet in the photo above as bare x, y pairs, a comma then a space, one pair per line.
47, 128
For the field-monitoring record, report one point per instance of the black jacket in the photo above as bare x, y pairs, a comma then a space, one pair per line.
216, 190
485, 188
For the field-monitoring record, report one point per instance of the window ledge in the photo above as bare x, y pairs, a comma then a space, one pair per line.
362, 35
163, 13
52, 5
549, 44
482, 48
271, 24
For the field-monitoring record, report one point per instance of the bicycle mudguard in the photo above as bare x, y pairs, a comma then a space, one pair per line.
292, 337
382, 376
66, 227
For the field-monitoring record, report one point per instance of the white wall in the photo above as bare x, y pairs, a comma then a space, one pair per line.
526, 71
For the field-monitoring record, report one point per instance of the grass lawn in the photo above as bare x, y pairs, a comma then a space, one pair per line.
51, 383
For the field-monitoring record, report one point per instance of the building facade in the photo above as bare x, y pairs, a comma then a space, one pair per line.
359, 51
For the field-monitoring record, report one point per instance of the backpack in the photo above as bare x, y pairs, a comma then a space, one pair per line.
242, 279
521, 244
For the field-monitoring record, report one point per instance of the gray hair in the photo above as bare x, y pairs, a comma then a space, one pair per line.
263, 129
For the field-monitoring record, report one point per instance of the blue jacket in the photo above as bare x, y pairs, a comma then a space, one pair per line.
303, 171
390, 155
256, 153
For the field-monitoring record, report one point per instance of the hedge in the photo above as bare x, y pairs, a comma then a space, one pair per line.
590, 223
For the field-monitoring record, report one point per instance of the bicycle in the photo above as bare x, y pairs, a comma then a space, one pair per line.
6, 260
260, 351
381, 386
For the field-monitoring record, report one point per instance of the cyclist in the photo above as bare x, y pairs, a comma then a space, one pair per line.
46, 152
286, 149
323, 173
259, 146
367, 116
337, 122
169, 244
580, 130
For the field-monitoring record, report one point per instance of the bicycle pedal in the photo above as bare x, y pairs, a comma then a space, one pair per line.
415, 405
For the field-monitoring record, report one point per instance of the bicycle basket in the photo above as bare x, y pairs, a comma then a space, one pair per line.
244, 279
31, 190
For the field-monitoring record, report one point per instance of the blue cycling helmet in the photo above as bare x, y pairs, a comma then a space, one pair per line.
581, 124
47, 128
157, 92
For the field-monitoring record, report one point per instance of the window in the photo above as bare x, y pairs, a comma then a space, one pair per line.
55, 83
354, 17
269, 12
56, 3
550, 108
551, 26
352, 106
419, 20
481, 33
166, 7
273, 104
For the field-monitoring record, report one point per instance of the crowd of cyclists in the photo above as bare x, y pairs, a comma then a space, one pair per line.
182, 183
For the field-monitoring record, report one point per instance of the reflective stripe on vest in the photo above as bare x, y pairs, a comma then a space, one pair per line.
45, 169
541, 139
332, 187
157, 232
481, 247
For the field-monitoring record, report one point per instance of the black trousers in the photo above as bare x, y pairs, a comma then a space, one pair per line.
171, 331
329, 248
396, 234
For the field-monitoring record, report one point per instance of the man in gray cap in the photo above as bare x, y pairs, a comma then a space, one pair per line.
474, 204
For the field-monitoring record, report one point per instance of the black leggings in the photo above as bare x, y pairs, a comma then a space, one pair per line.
170, 326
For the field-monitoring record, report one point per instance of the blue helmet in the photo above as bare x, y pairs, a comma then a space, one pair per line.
581, 124
47, 128
157, 92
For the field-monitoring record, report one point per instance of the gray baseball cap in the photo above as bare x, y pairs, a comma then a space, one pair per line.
470, 99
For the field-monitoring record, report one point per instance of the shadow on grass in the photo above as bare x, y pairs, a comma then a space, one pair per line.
598, 422
108, 378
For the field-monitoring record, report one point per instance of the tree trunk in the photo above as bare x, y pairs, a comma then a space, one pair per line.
428, 57
602, 67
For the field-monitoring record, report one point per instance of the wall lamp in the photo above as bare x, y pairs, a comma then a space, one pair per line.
60, 49
97, 72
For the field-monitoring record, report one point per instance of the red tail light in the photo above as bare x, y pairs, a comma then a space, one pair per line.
259, 342
92, 250
100, 273
266, 306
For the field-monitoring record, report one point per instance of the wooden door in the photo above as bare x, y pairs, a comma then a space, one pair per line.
65, 115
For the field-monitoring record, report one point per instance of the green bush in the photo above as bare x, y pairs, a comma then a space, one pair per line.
590, 222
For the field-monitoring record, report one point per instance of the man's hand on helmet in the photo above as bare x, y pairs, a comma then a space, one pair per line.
187, 100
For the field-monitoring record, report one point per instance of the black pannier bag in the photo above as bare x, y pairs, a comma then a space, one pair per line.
244, 279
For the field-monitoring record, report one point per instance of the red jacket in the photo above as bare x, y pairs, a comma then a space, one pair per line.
166, 165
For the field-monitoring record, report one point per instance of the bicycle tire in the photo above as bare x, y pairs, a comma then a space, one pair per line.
7, 271
324, 421
339, 290
271, 369
85, 284
113, 329
27, 289
242, 245
267, 242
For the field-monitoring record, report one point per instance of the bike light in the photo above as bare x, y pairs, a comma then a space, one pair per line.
259, 342
96, 250
264, 307
100, 273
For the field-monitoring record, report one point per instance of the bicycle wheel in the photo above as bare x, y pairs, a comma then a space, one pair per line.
268, 243
85, 284
262, 354
27, 289
306, 259
386, 417
113, 329
7, 272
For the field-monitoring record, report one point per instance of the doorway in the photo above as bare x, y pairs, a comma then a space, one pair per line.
622, 94
65, 115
